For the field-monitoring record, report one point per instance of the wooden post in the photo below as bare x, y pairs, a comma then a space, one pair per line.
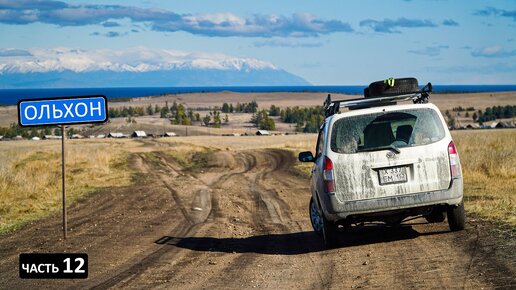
63, 176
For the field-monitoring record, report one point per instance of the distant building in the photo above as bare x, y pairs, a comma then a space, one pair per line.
504, 125
101, 136
1, 138
232, 134
493, 125
262, 133
35, 138
169, 134
52, 137
77, 136
116, 135
473, 126
139, 134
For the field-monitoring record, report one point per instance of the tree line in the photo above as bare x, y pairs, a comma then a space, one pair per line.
306, 120
496, 112
251, 107
25, 132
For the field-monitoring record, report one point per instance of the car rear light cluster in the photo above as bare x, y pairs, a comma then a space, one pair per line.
328, 178
454, 160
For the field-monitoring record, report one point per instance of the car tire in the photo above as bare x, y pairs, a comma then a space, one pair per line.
456, 217
330, 234
327, 229
401, 86
316, 218
435, 217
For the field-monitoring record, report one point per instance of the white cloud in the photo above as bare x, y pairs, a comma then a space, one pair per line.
493, 51
212, 24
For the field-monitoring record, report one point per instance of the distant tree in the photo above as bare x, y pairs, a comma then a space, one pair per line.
197, 117
452, 122
216, 119
231, 108
150, 110
225, 108
187, 121
206, 120
274, 111
262, 120
226, 119
190, 114
475, 116
165, 111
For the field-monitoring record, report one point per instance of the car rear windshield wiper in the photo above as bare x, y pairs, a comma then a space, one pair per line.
388, 147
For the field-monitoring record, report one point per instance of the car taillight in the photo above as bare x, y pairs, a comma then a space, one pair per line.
454, 160
329, 182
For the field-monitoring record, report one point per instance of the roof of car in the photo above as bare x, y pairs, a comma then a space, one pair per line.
389, 108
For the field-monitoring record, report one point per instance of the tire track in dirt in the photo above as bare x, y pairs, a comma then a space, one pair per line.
189, 228
272, 215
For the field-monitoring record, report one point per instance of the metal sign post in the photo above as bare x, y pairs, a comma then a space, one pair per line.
63, 176
63, 111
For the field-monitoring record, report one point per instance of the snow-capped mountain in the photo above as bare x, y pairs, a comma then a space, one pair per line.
139, 66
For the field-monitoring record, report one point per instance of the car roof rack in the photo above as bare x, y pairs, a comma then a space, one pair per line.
332, 107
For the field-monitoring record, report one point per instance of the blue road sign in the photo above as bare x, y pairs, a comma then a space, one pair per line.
63, 111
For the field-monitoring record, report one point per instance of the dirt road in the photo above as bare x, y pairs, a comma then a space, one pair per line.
242, 223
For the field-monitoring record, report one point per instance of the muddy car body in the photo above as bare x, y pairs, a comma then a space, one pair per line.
384, 163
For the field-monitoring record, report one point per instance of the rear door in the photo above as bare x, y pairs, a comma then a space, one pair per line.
390, 153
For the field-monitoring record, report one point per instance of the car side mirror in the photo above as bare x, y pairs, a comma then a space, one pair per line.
306, 156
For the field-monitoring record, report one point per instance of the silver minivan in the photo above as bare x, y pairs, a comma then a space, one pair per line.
381, 161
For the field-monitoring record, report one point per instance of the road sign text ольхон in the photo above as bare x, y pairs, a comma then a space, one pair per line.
78, 110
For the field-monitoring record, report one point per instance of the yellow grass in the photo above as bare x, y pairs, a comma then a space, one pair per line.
488, 159
30, 177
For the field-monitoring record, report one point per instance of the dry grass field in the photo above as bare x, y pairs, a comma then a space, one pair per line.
30, 171
30, 176
488, 161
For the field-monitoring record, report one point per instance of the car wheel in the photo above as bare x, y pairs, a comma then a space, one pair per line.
315, 218
456, 217
330, 233
435, 217
328, 230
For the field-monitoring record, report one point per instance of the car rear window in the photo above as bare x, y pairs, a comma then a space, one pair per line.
403, 128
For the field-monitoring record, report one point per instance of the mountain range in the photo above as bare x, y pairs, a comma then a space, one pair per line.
140, 66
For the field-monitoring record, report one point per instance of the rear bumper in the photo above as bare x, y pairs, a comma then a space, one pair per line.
337, 210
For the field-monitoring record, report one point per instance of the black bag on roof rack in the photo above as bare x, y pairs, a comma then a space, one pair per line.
407, 91
391, 87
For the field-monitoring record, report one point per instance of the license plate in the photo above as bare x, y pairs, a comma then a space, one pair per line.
393, 175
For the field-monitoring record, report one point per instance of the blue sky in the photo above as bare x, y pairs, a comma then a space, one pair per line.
326, 42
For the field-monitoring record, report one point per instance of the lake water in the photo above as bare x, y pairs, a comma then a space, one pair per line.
12, 96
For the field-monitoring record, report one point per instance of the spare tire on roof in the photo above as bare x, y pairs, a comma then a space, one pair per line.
391, 87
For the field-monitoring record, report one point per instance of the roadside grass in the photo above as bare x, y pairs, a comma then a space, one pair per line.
488, 159
30, 177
